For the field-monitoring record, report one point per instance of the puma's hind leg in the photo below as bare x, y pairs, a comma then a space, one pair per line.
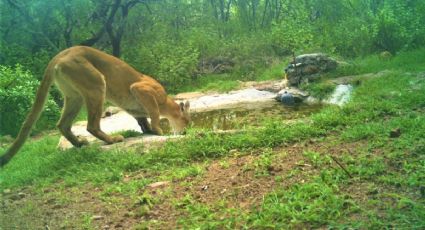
145, 96
94, 103
91, 85
72, 105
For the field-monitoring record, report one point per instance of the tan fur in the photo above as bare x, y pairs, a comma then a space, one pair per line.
88, 76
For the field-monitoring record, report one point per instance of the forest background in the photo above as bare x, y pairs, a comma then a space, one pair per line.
184, 42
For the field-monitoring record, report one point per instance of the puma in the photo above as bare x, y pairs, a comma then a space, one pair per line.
88, 76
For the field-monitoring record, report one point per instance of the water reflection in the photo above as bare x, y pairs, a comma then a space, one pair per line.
226, 119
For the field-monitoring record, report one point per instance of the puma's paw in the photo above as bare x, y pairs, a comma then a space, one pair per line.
83, 141
117, 138
157, 131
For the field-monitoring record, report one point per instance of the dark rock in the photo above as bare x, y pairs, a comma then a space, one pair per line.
291, 96
287, 99
307, 67
17, 196
395, 133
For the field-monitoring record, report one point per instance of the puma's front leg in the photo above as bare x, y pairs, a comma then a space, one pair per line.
156, 129
144, 94
144, 125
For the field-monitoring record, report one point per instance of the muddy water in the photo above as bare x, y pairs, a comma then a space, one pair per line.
227, 119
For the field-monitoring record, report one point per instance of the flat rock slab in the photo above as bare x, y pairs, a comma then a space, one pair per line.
230, 100
356, 78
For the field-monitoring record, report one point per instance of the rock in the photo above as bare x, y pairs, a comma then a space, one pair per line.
385, 55
21, 195
7, 191
233, 151
297, 95
271, 86
422, 191
188, 96
238, 98
307, 67
358, 79
17, 196
287, 99
158, 184
395, 133
97, 217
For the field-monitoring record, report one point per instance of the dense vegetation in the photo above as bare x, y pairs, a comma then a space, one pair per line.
178, 41
340, 168
184, 42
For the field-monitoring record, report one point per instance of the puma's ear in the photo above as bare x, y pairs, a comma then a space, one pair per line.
182, 106
187, 106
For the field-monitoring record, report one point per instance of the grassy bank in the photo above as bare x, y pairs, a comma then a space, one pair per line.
359, 166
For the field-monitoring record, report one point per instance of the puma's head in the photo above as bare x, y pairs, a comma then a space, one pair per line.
184, 119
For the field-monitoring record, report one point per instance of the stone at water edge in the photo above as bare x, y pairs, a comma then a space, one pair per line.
297, 95
308, 67
287, 99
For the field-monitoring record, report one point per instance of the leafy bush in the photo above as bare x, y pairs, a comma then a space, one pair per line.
289, 36
17, 92
319, 90
173, 65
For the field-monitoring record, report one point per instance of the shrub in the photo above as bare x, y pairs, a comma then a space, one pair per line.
169, 63
17, 93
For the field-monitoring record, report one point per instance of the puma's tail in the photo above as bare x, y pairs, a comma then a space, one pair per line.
32, 117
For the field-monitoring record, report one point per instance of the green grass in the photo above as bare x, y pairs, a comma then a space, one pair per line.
227, 82
212, 82
314, 204
389, 171
404, 61
320, 90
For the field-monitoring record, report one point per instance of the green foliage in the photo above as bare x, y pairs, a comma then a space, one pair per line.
289, 37
171, 40
171, 64
17, 92
319, 90
129, 133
